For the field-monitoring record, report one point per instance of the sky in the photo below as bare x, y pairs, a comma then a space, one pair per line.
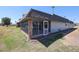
16, 12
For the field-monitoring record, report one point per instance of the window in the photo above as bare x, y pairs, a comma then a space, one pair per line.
40, 27
45, 24
37, 28
24, 26
65, 24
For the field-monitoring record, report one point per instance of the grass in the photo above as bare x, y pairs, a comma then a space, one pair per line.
12, 39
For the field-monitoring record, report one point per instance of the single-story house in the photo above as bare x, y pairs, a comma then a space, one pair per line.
37, 23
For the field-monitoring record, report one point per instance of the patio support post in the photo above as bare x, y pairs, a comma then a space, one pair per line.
30, 28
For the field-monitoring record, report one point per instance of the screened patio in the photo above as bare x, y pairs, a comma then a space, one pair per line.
37, 28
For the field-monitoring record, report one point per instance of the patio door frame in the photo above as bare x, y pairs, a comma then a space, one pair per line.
45, 30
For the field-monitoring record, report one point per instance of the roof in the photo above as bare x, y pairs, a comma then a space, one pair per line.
53, 17
62, 19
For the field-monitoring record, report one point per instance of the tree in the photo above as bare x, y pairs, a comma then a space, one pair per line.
6, 21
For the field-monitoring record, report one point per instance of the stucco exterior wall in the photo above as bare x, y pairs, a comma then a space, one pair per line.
56, 26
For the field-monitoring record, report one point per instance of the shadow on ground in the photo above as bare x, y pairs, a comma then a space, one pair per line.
49, 39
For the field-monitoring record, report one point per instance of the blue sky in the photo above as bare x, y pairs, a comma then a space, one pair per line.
16, 12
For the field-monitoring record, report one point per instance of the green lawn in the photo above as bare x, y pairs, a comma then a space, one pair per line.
12, 39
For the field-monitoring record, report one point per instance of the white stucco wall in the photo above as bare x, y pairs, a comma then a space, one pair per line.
56, 26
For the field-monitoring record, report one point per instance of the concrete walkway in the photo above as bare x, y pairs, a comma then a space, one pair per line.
72, 39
